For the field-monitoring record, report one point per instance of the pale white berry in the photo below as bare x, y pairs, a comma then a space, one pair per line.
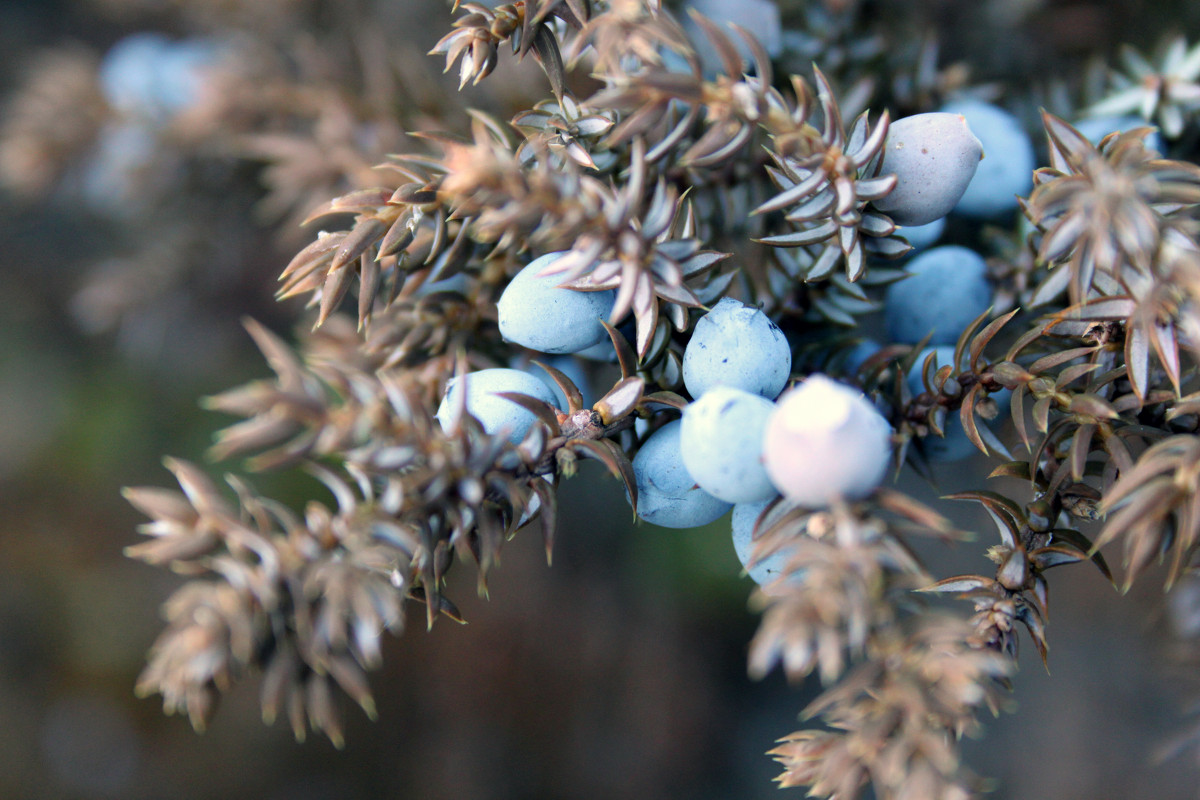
824, 441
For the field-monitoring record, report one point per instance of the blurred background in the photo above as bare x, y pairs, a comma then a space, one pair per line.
156, 157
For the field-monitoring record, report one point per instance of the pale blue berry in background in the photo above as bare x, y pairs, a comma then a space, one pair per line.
825, 440
943, 355
858, 355
667, 495
759, 17
737, 345
934, 157
742, 522
955, 445
183, 72
946, 289
536, 313
121, 161
673, 62
1096, 128
721, 443
568, 364
924, 236
604, 350
495, 414
148, 77
459, 282
601, 351
1008, 160
129, 73
573, 369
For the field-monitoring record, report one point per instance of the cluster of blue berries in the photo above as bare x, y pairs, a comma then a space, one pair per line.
745, 441
741, 444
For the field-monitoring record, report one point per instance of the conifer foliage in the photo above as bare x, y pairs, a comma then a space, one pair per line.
688, 178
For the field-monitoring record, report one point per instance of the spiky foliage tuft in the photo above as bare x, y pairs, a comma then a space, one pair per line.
1105, 211
1164, 90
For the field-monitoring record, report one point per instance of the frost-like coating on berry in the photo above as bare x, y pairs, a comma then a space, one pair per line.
934, 156
742, 522
946, 289
922, 237
721, 444
536, 313
1096, 128
667, 495
495, 413
737, 345
1009, 160
825, 440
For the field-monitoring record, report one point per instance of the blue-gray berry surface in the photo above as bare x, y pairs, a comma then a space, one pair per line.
1008, 160
566, 363
933, 156
667, 495
760, 17
922, 237
737, 345
741, 521
1096, 128
150, 78
946, 289
721, 444
495, 413
536, 313
128, 73
858, 355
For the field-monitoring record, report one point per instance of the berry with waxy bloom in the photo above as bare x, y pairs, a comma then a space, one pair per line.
737, 345
1009, 160
742, 520
826, 441
933, 156
721, 444
483, 400
667, 494
947, 288
536, 313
